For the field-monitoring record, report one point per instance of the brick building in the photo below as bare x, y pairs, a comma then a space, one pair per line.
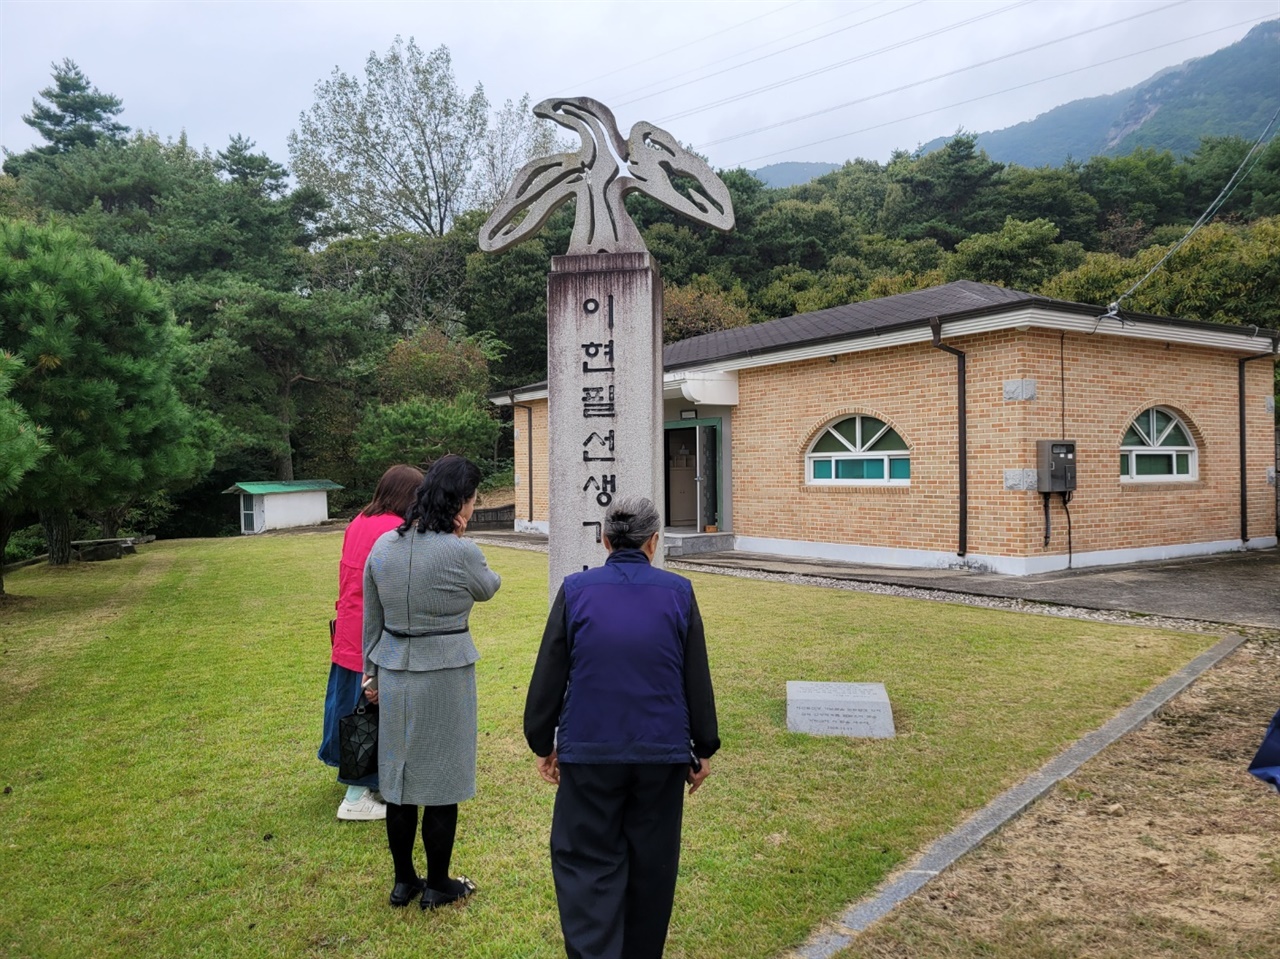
907, 431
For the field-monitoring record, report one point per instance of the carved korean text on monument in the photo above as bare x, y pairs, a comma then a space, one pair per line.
598, 176
599, 401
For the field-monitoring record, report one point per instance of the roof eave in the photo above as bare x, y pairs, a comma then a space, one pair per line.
1004, 315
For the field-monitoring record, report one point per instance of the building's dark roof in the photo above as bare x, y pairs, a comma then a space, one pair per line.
962, 298
842, 322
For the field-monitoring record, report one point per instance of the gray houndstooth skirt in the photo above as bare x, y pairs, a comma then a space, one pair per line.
427, 736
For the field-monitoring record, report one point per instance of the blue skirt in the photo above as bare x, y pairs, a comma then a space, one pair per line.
340, 700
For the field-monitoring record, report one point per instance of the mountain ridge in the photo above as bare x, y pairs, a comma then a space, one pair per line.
1233, 91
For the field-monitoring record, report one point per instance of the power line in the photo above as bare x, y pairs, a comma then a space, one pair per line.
683, 46
843, 63
747, 63
939, 76
1222, 197
995, 93
742, 53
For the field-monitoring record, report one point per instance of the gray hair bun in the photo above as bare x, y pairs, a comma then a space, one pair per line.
630, 522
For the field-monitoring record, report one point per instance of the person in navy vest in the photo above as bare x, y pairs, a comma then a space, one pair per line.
621, 715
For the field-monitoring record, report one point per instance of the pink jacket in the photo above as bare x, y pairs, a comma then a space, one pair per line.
361, 534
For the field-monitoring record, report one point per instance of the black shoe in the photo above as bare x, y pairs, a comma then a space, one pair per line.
403, 893
460, 889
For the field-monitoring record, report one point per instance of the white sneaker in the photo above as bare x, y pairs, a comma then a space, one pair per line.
363, 809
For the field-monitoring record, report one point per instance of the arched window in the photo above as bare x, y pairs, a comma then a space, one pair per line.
1158, 447
858, 451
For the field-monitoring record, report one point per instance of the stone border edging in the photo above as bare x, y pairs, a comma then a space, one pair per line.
23, 563
1005, 807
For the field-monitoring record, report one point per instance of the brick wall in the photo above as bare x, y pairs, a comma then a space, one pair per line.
541, 497
1108, 380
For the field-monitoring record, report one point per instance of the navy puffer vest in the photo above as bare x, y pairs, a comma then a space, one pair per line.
626, 623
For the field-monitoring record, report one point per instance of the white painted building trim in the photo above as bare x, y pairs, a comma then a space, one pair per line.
533, 526
1008, 565
521, 396
702, 388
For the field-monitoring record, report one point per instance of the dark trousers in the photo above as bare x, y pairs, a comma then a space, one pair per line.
615, 851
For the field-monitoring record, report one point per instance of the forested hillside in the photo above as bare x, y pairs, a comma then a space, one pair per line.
1232, 92
326, 325
792, 173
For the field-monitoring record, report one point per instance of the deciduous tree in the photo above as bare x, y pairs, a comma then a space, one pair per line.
394, 151
702, 307
513, 137
1224, 274
506, 295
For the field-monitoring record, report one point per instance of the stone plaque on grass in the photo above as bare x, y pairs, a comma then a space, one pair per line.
839, 709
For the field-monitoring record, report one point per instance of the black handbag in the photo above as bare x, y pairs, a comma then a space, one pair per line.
358, 741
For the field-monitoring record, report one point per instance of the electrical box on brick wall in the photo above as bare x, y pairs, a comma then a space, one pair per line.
1056, 465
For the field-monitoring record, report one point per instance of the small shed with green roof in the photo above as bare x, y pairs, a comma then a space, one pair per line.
282, 504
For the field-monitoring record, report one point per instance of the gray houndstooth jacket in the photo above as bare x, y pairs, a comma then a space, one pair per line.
423, 585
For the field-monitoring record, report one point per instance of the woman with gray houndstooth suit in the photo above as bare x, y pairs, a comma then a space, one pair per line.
420, 583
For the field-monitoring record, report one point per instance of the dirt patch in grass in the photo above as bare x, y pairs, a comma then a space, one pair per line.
487, 499
1161, 846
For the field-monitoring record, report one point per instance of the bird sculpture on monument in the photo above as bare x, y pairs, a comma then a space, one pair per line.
598, 176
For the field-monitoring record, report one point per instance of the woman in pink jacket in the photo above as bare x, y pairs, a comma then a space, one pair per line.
391, 500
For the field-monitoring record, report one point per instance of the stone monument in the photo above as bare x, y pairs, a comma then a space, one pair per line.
839, 709
604, 313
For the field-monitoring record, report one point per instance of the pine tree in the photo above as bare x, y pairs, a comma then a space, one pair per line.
98, 346
75, 114
21, 444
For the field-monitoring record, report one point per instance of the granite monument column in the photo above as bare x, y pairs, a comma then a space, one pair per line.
604, 359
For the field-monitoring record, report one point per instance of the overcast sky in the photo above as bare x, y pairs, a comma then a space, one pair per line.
216, 68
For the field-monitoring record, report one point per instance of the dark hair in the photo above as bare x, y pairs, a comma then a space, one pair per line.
630, 522
450, 482
395, 491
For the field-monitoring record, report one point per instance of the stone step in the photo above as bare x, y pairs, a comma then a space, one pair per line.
689, 544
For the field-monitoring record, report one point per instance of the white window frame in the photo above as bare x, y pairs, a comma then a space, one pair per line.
1131, 453
856, 452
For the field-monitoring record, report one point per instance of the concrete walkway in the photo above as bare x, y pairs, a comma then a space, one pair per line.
1231, 588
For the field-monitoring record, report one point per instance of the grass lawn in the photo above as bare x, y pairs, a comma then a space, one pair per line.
163, 798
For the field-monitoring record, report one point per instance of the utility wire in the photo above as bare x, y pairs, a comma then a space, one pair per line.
683, 46
1236, 179
742, 53
844, 63
939, 76
996, 93
746, 63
